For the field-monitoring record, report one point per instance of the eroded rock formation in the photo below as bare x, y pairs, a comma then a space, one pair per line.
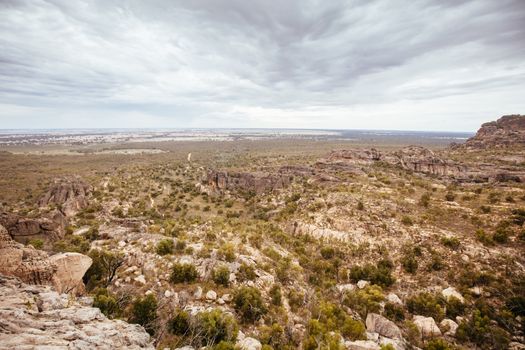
24, 229
256, 182
507, 131
64, 271
36, 317
68, 194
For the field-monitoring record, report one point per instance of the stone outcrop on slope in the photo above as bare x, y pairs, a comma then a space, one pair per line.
36, 317
64, 271
507, 131
413, 158
69, 194
256, 182
24, 229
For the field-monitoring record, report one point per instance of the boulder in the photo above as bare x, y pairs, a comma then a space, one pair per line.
451, 292
450, 327
71, 267
383, 326
249, 343
211, 295
394, 299
427, 326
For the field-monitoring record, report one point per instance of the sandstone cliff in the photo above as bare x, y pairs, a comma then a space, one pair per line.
507, 131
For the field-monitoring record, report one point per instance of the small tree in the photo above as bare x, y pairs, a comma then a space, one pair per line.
104, 268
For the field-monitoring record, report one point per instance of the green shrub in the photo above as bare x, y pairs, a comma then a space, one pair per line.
438, 344
364, 300
409, 263
273, 336
483, 237
454, 307
225, 345
165, 247
425, 200
246, 273
227, 252
37, 243
327, 252
479, 330
407, 221
381, 274
450, 242
183, 273
213, 327
295, 300
179, 323
501, 235
394, 312
276, 295
72, 243
248, 303
353, 329
221, 275
426, 304
144, 312
106, 302
449, 197
516, 305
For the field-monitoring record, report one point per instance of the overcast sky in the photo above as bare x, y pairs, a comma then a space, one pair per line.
403, 65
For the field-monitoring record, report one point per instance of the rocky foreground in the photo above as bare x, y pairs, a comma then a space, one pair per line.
37, 317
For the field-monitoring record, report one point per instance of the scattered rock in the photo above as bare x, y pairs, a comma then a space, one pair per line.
393, 298
140, 279
211, 295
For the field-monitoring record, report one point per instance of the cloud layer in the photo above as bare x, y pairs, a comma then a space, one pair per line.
420, 65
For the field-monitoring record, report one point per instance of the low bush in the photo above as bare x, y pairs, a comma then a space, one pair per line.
144, 312
479, 330
450, 242
221, 275
165, 247
103, 268
213, 327
426, 304
180, 323
183, 273
246, 273
364, 300
394, 312
248, 303
107, 303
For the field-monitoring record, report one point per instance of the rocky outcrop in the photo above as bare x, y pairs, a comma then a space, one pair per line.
64, 271
24, 229
413, 158
507, 131
255, 182
28, 264
36, 317
422, 160
68, 194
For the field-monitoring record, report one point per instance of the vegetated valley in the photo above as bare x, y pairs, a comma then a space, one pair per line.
265, 244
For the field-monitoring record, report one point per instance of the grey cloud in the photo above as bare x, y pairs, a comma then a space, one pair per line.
214, 58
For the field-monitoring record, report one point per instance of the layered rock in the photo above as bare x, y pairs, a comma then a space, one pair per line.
24, 229
68, 194
413, 158
36, 317
64, 271
507, 131
256, 182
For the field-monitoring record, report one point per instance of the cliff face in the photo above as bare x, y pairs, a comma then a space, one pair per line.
507, 131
